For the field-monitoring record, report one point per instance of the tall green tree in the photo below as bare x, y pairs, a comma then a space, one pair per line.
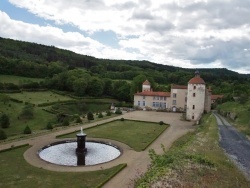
5, 121
95, 87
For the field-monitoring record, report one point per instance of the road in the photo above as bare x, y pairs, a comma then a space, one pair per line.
235, 144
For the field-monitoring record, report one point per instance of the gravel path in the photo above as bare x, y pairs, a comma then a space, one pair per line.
235, 144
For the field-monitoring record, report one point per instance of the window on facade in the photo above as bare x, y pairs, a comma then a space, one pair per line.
143, 103
193, 117
157, 104
193, 94
174, 95
139, 103
161, 98
165, 98
193, 107
153, 104
194, 87
174, 102
185, 99
144, 97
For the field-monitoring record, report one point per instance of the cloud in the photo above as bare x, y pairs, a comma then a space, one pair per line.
195, 33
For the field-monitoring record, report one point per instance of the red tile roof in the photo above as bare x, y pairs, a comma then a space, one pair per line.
173, 86
152, 93
146, 82
196, 80
214, 97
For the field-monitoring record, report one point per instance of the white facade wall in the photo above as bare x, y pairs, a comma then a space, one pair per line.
195, 101
146, 87
154, 102
178, 98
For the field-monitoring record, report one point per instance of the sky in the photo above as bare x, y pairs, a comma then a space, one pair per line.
182, 33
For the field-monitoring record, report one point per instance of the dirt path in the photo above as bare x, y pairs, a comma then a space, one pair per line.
235, 144
137, 162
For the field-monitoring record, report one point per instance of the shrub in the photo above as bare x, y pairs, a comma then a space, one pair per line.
100, 115
2, 135
108, 113
49, 126
122, 119
78, 120
118, 111
65, 122
90, 116
27, 130
4, 121
161, 122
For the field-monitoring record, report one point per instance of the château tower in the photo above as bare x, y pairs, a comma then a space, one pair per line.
146, 86
196, 95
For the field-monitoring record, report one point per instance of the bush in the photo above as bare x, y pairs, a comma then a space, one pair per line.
4, 121
49, 126
122, 119
78, 120
90, 116
100, 115
27, 130
2, 135
108, 113
118, 111
161, 122
65, 122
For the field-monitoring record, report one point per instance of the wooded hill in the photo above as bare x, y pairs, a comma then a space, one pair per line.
36, 60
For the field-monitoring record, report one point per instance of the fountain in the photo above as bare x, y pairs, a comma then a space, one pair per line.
80, 152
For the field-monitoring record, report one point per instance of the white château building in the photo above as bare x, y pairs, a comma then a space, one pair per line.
195, 98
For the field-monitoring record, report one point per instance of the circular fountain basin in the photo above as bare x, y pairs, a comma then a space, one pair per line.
64, 153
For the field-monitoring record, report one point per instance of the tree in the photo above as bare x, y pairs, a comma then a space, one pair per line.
2, 135
78, 120
49, 126
4, 98
5, 121
27, 112
65, 122
108, 87
80, 86
27, 130
100, 115
95, 87
90, 116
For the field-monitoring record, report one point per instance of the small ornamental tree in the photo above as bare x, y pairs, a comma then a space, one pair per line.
4, 121
27, 130
2, 135
78, 120
100, 115
49, 126
65, 122
118, 111
90, 116
108, 113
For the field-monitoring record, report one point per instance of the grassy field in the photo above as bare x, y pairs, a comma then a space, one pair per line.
39, 97
18, 79
195, 160
13, 110
16, 172
242, 123
137, 135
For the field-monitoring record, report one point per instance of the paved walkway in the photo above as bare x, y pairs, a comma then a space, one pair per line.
137, 162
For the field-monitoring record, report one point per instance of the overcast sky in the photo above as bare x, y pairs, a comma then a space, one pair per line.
183, 33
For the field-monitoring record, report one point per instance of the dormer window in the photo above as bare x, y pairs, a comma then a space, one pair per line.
194, 87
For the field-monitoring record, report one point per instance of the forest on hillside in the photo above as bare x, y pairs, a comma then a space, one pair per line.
85, 75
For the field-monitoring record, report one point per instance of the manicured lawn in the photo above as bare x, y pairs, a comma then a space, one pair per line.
136, 134
39, 97
16, 172
194, 160
18, 79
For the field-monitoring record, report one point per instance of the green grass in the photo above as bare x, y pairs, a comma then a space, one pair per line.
242, 123
75, 109
136, 134
13, 110
16, 172
18, 79
195, 160
39, 97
